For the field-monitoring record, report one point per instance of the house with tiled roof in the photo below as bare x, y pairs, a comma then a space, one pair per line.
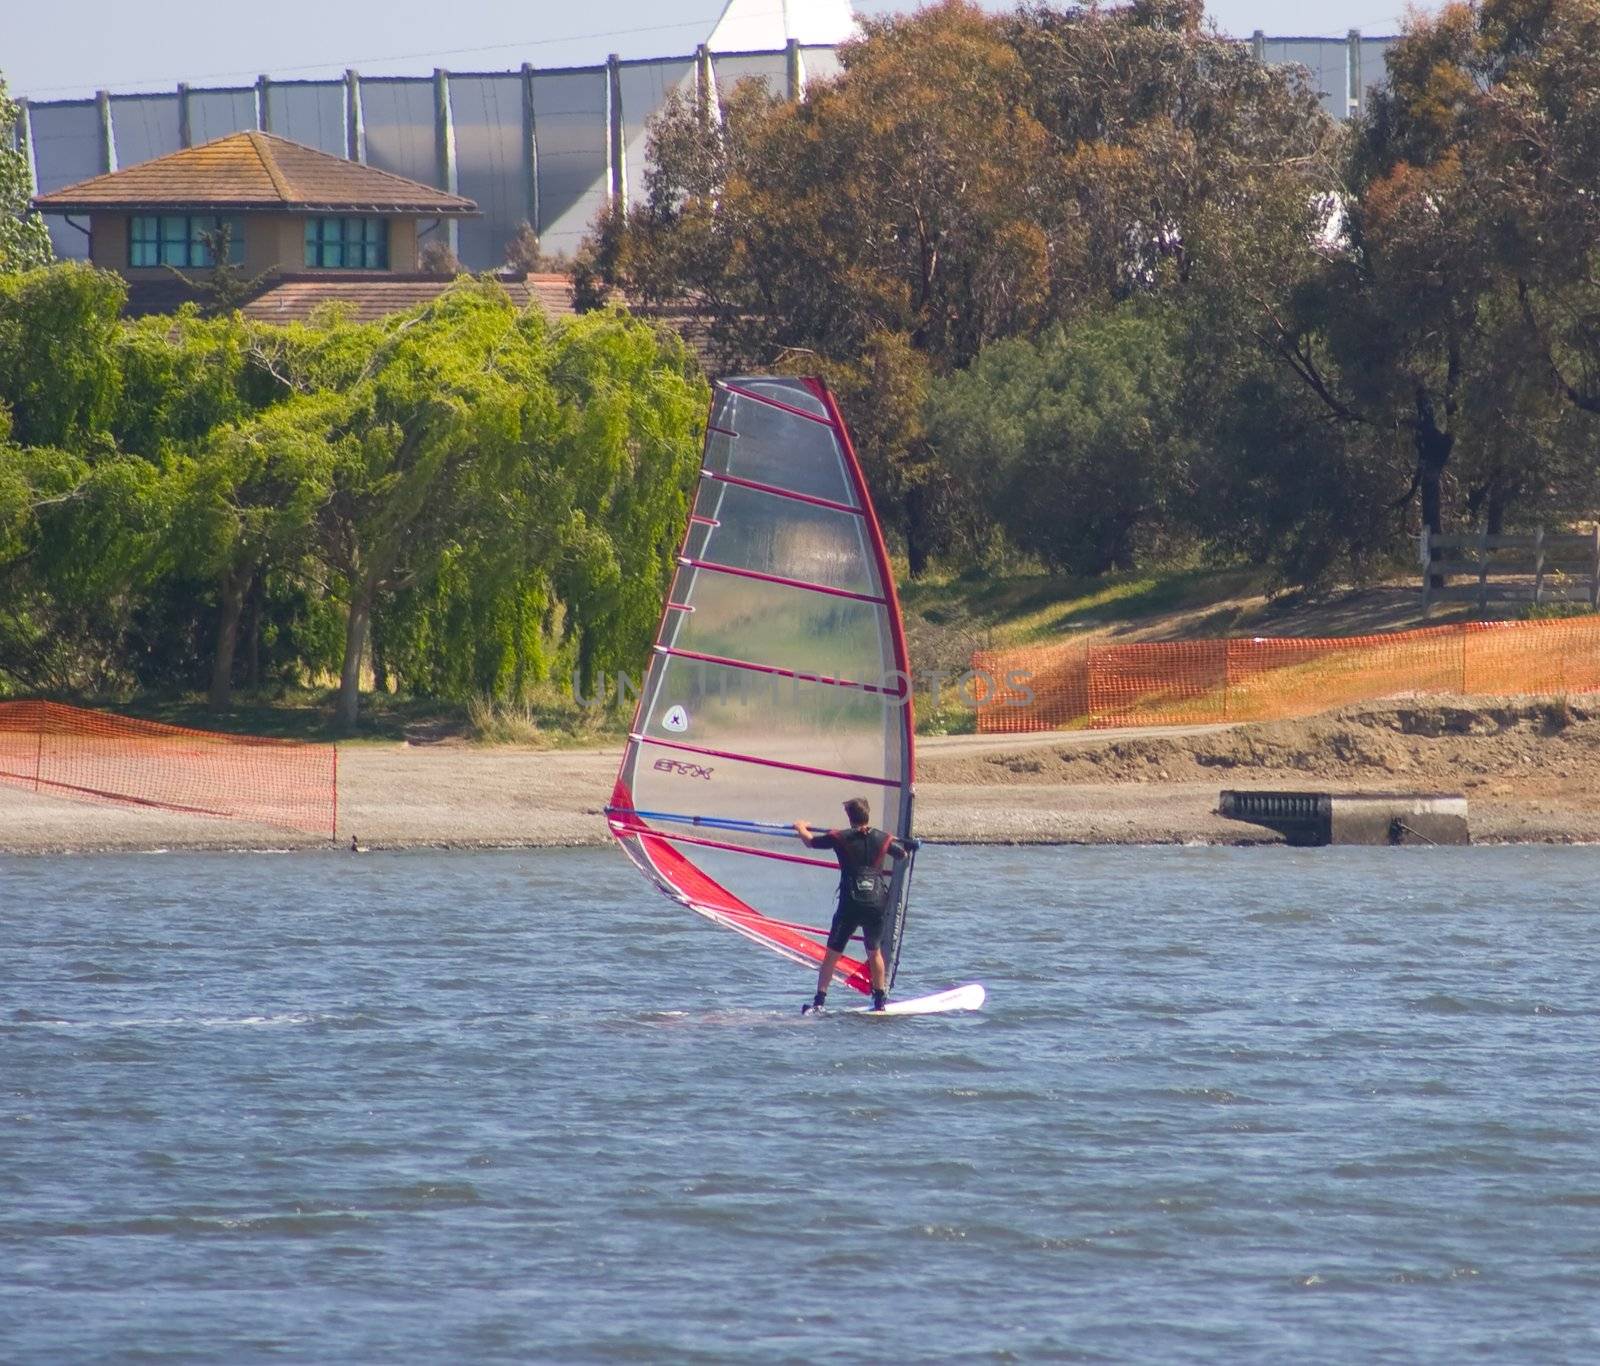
306, 227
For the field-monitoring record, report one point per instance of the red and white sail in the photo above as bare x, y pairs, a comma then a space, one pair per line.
779, 683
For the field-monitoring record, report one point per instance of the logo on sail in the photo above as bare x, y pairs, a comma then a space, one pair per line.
683, 769
676, 720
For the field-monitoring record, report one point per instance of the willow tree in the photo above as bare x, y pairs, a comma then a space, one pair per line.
469, 433
24, 239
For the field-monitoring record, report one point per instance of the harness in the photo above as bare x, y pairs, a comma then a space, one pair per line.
868, 885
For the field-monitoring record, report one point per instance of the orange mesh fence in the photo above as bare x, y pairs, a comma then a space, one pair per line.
94, 756
1264, 679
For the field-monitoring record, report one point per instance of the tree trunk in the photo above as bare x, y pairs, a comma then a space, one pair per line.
1433, 454
355, 643
916, 534
252, 637
586, 668
232, 596
1500, 498
380, 665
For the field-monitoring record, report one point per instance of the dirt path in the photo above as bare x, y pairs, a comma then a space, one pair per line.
1531, 772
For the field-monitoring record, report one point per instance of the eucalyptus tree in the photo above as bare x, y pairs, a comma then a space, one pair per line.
965, 179
1455, 305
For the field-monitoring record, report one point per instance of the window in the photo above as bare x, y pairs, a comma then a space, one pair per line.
347, 243
180, 240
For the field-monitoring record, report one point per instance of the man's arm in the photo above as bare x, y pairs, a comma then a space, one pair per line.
811, 839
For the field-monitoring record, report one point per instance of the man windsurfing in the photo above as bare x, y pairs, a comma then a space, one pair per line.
864, 881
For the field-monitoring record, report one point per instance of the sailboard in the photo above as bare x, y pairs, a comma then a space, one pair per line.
969, 997
778, 685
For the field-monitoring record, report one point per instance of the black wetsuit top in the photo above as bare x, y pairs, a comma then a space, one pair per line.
857, 851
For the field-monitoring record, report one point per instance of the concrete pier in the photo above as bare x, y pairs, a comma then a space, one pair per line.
1309, 819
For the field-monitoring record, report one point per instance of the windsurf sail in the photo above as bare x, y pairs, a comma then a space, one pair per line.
778, 685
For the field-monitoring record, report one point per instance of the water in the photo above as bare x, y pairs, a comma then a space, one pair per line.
1224, 1105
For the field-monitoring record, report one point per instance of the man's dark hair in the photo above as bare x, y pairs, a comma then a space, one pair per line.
857, 812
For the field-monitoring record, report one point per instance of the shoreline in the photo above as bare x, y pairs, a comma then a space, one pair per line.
1527, 782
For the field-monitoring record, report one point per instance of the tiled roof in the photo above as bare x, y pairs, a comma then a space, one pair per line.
254, 171
292, 298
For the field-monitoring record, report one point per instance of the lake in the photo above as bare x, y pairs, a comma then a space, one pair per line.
1223, 1105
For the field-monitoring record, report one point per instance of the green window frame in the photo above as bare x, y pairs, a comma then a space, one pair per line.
180, 240
347, 243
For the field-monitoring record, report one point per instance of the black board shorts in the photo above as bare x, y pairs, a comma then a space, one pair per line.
848, 919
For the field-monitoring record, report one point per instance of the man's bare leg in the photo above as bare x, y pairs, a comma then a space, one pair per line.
824, 979
880, 978
875, 968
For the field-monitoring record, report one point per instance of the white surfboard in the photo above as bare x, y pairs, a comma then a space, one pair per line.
969, 997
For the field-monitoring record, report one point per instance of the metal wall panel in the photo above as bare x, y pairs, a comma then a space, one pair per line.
1374, 70
820, 63
486, 113
645, 86
309, 112
145, 126
491, 164
569, 110
771, 67
397, 114
216, 113
66, 149
1327, 60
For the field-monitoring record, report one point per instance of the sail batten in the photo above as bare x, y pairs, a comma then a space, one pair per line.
769, 763
777, 492
778, 578
778, 685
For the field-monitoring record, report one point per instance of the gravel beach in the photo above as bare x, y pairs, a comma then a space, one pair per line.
1530, 770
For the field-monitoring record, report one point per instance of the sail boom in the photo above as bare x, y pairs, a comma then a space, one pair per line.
727, 847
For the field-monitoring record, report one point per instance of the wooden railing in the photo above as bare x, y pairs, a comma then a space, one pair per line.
1536, 567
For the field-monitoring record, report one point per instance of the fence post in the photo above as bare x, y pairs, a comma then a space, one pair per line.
1483, 572
1594, 573
1538, 566
1427, 570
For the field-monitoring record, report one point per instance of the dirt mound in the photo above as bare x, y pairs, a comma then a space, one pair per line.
1445, 745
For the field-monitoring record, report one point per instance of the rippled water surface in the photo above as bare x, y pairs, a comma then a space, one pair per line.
1223, 1105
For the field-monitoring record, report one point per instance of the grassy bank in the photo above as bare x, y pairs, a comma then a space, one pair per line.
547, 721
947, 617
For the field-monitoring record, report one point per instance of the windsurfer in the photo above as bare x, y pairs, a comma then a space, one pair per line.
863, 893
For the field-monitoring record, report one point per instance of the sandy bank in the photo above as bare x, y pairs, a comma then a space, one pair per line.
1531, 771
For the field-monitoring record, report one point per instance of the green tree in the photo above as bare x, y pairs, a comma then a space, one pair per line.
624, 452
244, 505
24, 239
1457, 287
967, 178
1533, 67
1079, 441
58, 371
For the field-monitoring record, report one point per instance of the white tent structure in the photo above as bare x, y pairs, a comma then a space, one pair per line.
766, 25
